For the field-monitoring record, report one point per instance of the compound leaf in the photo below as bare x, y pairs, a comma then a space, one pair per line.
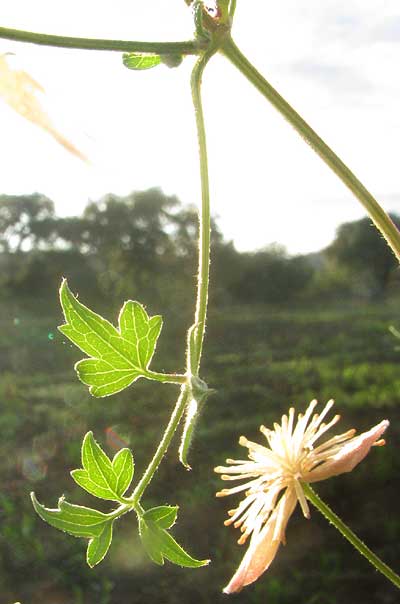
118, 356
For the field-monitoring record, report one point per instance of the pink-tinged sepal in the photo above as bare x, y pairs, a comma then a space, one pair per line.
264, 544
349, 455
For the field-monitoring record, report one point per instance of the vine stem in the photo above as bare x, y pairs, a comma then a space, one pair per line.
202, 285
188, 47
350, 536
166, 378
232, 9
204, 215
379, 217
162, 447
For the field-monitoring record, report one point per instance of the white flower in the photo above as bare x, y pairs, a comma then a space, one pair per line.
291, 458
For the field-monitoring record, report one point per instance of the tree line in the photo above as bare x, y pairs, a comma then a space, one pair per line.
144, 246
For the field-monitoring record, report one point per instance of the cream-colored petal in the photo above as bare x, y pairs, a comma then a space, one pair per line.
244, 468
349, 455
264, 544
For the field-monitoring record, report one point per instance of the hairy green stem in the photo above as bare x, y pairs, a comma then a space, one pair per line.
166, 378
204, 215
379, 217
127, 506
202, 288
188, 47
162, 447
350, 536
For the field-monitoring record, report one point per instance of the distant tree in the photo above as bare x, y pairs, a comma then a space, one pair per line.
141, 245
26, 222
271, 276
135, 224
360, 248
72, 232
140, 241
131, 239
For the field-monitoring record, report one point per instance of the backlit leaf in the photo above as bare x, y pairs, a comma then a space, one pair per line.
123, 467
176, 554
76, 520
98, 546
159, 544
81, 478
139, 61
164, 515
100, 476
119, 356
150, 544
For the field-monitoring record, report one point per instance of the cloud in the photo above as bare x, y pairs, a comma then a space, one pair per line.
387, 31
339, 79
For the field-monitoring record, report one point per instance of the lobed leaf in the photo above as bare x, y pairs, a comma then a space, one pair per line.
100, 476
118, 356
76, 520
159, 544
140, 61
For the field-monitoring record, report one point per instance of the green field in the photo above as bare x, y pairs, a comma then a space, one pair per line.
260, 361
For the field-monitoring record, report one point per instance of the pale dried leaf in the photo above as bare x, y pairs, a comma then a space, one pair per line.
19, 90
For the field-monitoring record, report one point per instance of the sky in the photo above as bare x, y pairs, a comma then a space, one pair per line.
336, 62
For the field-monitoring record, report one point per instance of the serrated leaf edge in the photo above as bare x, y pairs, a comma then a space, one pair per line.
41, 512
89, 443
141, 371
171, 543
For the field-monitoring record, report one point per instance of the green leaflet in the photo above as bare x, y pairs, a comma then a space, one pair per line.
76, 520
100, 476
158, 543
150, 544
118, 356
98, 546
139, 61
123, 467
80, 521
164, 515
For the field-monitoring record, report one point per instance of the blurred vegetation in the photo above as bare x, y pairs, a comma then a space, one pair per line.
282, 330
